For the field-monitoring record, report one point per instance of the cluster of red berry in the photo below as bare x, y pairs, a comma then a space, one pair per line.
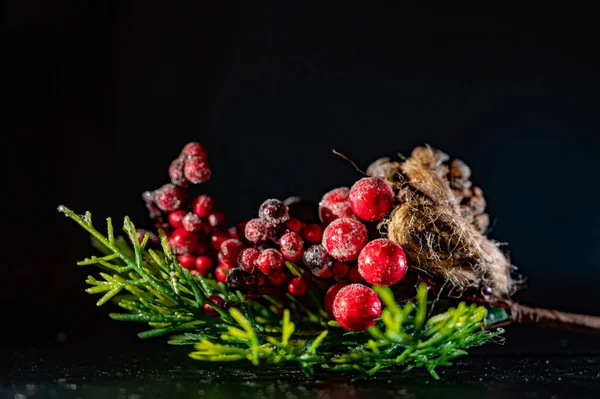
250, 257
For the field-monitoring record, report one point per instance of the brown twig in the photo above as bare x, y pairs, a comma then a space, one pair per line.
555, 319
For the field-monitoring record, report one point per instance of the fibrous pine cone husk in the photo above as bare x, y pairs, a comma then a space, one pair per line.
440, 220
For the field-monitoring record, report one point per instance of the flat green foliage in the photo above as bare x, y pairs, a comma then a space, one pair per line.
152, 287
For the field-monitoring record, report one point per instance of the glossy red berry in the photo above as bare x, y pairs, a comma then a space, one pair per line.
202, 205
330, 297
291, 246
221, 272
297, 286
182, 241
371, 198
230, 250
217, 218
187, 261
257, 231
312, 233
344, 238
277, 279
318, 261
270, 261
247, 259
356, 307
194, 149
203, 264
354, 275
340, 270
335, 204
196, 170
382, 262
191, 222
176, 172
294, 225
217, 300
168, 198
273, 212
176, 218
217, 238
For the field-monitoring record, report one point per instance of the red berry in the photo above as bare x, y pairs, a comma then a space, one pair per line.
312, 233
176, 218
182, 241
217, 300
270, 261
335, 204
344, 238
257, 231
371, 198
317, 260
273, 212
187, 261
294, 225
217, 238
202, 205
194, 149
230, 250
168, 198
217, 218
200, 248
340, 270
277, 278
382, 262
356, 307
330, 297
176, 172
203, 264
221, 272
191, 222
196, 170
354, 275
297, 286
247, 259
291, 246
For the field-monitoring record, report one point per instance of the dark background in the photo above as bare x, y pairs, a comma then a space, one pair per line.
103, 95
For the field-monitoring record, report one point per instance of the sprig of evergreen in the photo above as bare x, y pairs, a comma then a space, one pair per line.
153, 288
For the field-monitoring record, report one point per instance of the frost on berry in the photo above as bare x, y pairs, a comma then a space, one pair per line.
257, 231
194, 149
176, 172
202, 205
356, 307
247, 259
291, 246
196, 170
371, 198
191, 222
382, 262
335, 204
230, 250
270, 261
273, 212
168, 198
344, 238
317, 260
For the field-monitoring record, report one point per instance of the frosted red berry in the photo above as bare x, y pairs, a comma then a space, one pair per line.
294, 225
330, 297
182, 241
277, 279
335, 204
297, 286
194, 149
318, 261
217, 300
356, 307
203, 264
270, 261
217, 238
354, 275
257, 231
187, 261
191, 222
382, 262
273, 212
196, 170
340, 270
176, 218
221, 272
344, 238
176, 172
217, 218
371, 198
202, 205
247, 259
230, 250
168, 198
312, 233
291, 246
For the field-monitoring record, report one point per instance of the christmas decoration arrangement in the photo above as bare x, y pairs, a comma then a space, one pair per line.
394, 270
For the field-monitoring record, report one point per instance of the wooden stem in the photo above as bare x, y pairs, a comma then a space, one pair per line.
552, 318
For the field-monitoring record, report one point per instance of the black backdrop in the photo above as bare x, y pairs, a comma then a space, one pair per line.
102, 95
